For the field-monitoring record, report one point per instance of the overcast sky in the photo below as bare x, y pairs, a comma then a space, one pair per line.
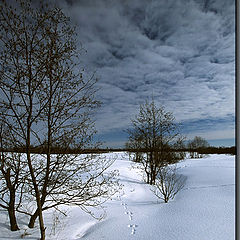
180, 52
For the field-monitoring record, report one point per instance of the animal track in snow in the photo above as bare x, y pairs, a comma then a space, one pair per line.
124, 205
119, 197
129, 215
133, 227
127, 212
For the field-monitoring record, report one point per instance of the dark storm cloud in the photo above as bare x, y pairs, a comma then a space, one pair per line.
180, 52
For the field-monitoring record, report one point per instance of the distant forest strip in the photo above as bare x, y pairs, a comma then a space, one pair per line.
218, 150
59, 150
207, 150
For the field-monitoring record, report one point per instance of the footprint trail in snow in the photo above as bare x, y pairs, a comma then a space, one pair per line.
129, 213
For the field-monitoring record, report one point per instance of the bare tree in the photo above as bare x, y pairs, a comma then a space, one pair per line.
168, 183
180, 147
134, 150
153, 132
12, 182
46, 103
12, 174
9, 185
198, 143
74, 179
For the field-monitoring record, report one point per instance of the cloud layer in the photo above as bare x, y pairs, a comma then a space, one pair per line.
181, 52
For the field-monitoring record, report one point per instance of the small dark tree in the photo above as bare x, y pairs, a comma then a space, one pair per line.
135, 150
196, 145
180, 148
154, 131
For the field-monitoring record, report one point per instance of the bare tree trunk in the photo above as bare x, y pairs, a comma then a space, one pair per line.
33, 219
166, 199
33, 178
154, 175
37, 195
49, 145
11, 203
151, 168
148, 180
11, 212
36, 213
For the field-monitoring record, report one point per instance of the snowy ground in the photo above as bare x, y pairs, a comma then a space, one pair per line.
203, 210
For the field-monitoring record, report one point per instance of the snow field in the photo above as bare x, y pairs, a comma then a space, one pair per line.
203, 210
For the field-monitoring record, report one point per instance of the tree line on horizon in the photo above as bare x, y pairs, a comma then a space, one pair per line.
185, 148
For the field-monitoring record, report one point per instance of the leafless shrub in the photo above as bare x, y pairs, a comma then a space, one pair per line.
168, 183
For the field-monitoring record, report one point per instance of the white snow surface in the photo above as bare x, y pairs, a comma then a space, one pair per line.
203, 210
